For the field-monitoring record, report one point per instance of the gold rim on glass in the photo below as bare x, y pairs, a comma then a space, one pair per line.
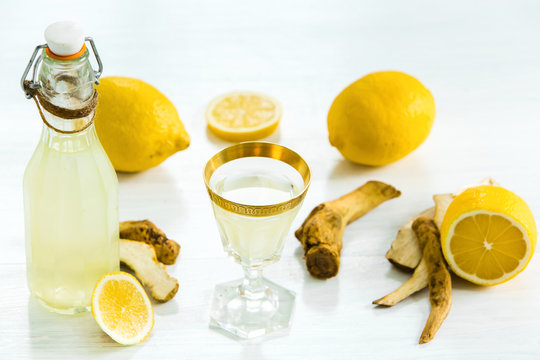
257, 149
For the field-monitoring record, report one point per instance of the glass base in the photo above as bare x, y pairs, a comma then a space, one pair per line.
63, 311
248, 317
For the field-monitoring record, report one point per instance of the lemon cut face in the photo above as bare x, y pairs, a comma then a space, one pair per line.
122, 309
243, 116
487, 248
488, 235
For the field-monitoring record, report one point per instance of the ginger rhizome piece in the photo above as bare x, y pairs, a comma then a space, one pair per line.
442, 202
322, 231
416, 282
417, 246
440, 282
420, 277
406, 250
432, 271
141, 258
167, 250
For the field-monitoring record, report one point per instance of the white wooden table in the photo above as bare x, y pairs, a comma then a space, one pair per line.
481, 61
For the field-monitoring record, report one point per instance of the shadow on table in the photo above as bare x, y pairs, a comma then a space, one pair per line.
251, 348
462, 284
69, 336
411, 169
317, 294
345, 168
274, 138
255, 341
153, 188
401, 275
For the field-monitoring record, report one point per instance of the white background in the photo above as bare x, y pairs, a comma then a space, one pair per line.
479, 59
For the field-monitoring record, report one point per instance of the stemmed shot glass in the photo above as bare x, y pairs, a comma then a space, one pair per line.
256, 189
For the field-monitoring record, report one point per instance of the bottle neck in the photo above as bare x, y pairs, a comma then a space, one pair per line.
67, 84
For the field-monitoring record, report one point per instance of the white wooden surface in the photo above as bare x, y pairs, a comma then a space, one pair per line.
480, 59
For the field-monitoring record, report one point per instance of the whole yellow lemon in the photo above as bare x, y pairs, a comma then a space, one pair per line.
136, 124
381, 118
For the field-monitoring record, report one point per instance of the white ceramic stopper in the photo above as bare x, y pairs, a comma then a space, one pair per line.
64, 38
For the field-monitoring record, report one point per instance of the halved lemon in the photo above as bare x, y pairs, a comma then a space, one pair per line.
122, 309
243, 115
488, 235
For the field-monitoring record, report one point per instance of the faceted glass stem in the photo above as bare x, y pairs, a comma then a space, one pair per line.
252, 306
253, 288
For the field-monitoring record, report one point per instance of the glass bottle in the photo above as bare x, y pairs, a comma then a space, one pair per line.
70, 192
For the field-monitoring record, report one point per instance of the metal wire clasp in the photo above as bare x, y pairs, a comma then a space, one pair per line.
35, 60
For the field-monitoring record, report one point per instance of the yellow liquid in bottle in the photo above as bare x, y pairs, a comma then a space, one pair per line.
71, 219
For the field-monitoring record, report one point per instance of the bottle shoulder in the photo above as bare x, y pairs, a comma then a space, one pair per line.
76, 153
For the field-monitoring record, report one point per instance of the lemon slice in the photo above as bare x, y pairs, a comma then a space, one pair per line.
488, 235
243, 115
122, 308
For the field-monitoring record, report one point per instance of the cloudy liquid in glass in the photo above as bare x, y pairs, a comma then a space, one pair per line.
255, 181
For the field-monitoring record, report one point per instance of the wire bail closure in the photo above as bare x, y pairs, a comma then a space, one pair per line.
28, 86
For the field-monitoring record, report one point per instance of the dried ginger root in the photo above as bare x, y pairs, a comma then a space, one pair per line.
322, 231
442, 202
431, 271
406, 250
440, 283
141, 258
167, 250
420, 277
421, 232
417, 282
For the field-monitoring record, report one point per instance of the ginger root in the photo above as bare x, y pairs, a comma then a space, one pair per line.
417, 246
442, 202
432, 272
420, 277
141, 258
440, 283
417, 282
167, 250
322, 231
406, 250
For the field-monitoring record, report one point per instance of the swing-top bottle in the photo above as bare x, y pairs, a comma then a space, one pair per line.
70, 186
